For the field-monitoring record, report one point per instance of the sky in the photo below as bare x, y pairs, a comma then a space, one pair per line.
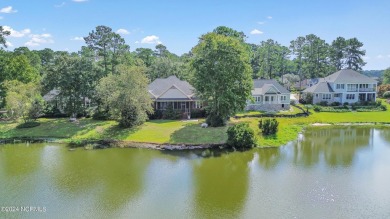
62, 24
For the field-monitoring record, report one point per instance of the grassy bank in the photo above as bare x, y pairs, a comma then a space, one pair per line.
178, 132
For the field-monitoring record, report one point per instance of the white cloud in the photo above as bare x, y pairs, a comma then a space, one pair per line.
79, 0
38, 39
1, 18
9, 44
388, 56
60, 5
77, 38
122, 31
151, 40
15, 33
269, 17
379, 56
256, 32
261, 22
136, 42
8, 10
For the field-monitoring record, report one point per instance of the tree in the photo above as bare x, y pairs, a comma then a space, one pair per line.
23, 100
354, 54
386, 76
241, 136
268, 56
161, 51
76, 79
229, 32
108, 45
164, 67
315, 57
296, 47
126, 95
337, 53
222, 76
146, 55
3, 34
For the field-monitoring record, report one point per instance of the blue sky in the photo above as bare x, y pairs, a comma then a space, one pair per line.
60, 24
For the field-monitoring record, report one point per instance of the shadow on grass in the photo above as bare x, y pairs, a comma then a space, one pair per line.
119, 133
160, 121
194, 134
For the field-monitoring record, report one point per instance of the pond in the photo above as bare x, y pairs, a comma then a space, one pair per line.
327, 173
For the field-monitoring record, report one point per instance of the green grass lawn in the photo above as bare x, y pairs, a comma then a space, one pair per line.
189, 132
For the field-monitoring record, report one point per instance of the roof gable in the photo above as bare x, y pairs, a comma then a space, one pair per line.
162, 85
173, 93
261, 86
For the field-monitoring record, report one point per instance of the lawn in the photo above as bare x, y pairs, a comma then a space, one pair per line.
178, 132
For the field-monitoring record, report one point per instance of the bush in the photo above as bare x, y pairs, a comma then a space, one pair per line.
345, 103
157, 114
335, 104
317, 108
101, 115
28, 125
198, 113
51, 111
170, 113
269, 126
386, 95
323, 103
292, 102
215, 120
241, 136
382, 89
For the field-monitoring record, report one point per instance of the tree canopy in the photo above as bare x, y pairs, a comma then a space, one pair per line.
222, 75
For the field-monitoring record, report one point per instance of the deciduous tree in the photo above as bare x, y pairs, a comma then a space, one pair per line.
222, 75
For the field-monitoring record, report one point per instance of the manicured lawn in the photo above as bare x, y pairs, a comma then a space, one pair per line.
189, 132
291, 111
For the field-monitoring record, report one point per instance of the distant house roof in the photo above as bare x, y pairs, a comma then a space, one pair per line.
170, 88
321, 87
349, 76
262, 86
51, 95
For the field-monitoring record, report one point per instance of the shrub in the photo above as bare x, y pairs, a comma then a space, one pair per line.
28, 125
316, 108
323, 103
382, 89
241, 136
101, 115
335, 104
215, 120
345, 103
269, 126
51, 111
386, 95
198, 113
157, 114
292, 102
170, 113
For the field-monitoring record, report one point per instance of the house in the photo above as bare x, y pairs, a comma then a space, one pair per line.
175, 93
344, 86
268, 95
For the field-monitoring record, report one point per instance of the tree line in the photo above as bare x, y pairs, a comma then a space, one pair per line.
104, 71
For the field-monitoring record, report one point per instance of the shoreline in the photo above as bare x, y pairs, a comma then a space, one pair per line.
112, 143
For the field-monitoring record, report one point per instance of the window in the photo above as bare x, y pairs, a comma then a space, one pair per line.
350, 96
337, 95
317, 95
267, 98
339, 86
352, 87
283, 98
363, 86
198, 104
272, 98
257, 99
326, 96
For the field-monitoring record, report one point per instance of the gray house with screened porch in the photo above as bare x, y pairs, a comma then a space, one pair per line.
175, 93
268, 95
344, 86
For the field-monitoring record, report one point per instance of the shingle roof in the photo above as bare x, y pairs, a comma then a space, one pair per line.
348, 76
261, 86
321, 87
161, 85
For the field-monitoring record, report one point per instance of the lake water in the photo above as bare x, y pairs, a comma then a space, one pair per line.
327, 173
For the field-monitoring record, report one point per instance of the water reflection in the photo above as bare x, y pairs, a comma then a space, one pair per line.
221, 185
269, 157
20, 159
385, 134
114, 177
337, 146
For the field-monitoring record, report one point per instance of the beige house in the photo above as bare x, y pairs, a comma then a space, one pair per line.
175, 93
